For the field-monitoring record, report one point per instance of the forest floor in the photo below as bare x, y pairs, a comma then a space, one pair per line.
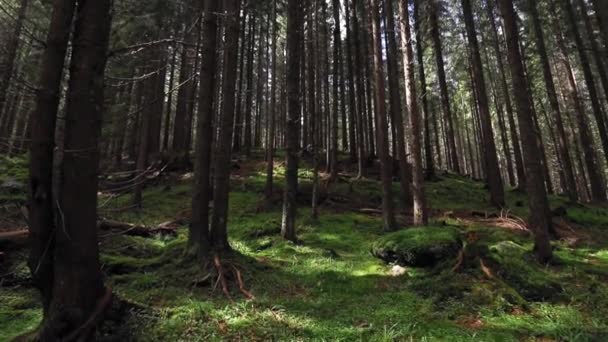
330, 286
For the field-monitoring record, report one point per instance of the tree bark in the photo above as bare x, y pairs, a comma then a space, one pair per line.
443, 87
43, 123
218, 232
8, 61
540, 216
588, 74
396, 107
428, 146
198, 237
294, 37
494, 179
519, 164
562, 141
420, 210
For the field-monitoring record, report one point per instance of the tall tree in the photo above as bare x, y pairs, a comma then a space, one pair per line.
428, 146
519, 164
587, 74
420, 210
443, 86
396, 107
64, 259
7, 66
388, 215
198, 237
270, 143
562, 141
540, 216
219, 230
493, 177
294, 37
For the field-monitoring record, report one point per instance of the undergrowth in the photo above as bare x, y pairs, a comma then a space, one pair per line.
331, 287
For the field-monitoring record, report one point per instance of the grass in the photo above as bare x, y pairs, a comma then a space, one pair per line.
331, 287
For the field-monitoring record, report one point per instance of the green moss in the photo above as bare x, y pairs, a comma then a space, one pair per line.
516, 266
418, 246
329, 287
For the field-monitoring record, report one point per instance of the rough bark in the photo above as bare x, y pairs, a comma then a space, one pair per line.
8, 61
218, 232
562, 141
294, 37
420, 210
494, 179
198, 237
396, 107
43, 124
540, 216
443, 87
587, 74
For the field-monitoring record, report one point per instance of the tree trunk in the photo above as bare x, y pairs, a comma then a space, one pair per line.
8, 60
562, 141
249, 87
294, 38
43, 123
198, 237
519, 164
587, 73
359, 75
395, 105
428, 146
601, 9
420, 210
443, 87
598, 190
270, 143
218, 232
540, 216
497, 196
386, 170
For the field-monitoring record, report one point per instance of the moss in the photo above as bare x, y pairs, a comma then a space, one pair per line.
418, 246
516, 266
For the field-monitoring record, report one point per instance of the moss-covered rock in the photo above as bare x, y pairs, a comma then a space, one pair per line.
418, 247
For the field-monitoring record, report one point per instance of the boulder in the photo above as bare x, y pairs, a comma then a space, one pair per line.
418, 247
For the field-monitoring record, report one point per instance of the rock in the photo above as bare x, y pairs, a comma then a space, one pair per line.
12, 185
418, 247
397, 271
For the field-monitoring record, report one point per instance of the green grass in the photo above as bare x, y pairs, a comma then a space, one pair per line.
331, 288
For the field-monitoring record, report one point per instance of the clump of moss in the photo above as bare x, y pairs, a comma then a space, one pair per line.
516, 266
418, 247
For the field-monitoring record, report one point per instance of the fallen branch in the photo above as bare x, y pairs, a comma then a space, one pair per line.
166, 228
14, 235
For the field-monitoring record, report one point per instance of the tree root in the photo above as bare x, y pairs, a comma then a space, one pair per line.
84, 331
222, 278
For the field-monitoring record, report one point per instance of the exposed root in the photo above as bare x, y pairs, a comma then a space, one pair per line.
223, 277
459, 259
84, 331
486, 270
239, 279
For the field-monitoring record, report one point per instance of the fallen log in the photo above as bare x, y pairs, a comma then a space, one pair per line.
164, 229
14, 235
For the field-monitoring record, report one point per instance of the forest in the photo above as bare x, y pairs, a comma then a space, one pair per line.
303, 170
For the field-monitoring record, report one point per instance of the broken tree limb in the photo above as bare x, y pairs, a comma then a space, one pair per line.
166, 228
122, 228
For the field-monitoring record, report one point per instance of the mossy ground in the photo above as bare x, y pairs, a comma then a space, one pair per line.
330, 287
